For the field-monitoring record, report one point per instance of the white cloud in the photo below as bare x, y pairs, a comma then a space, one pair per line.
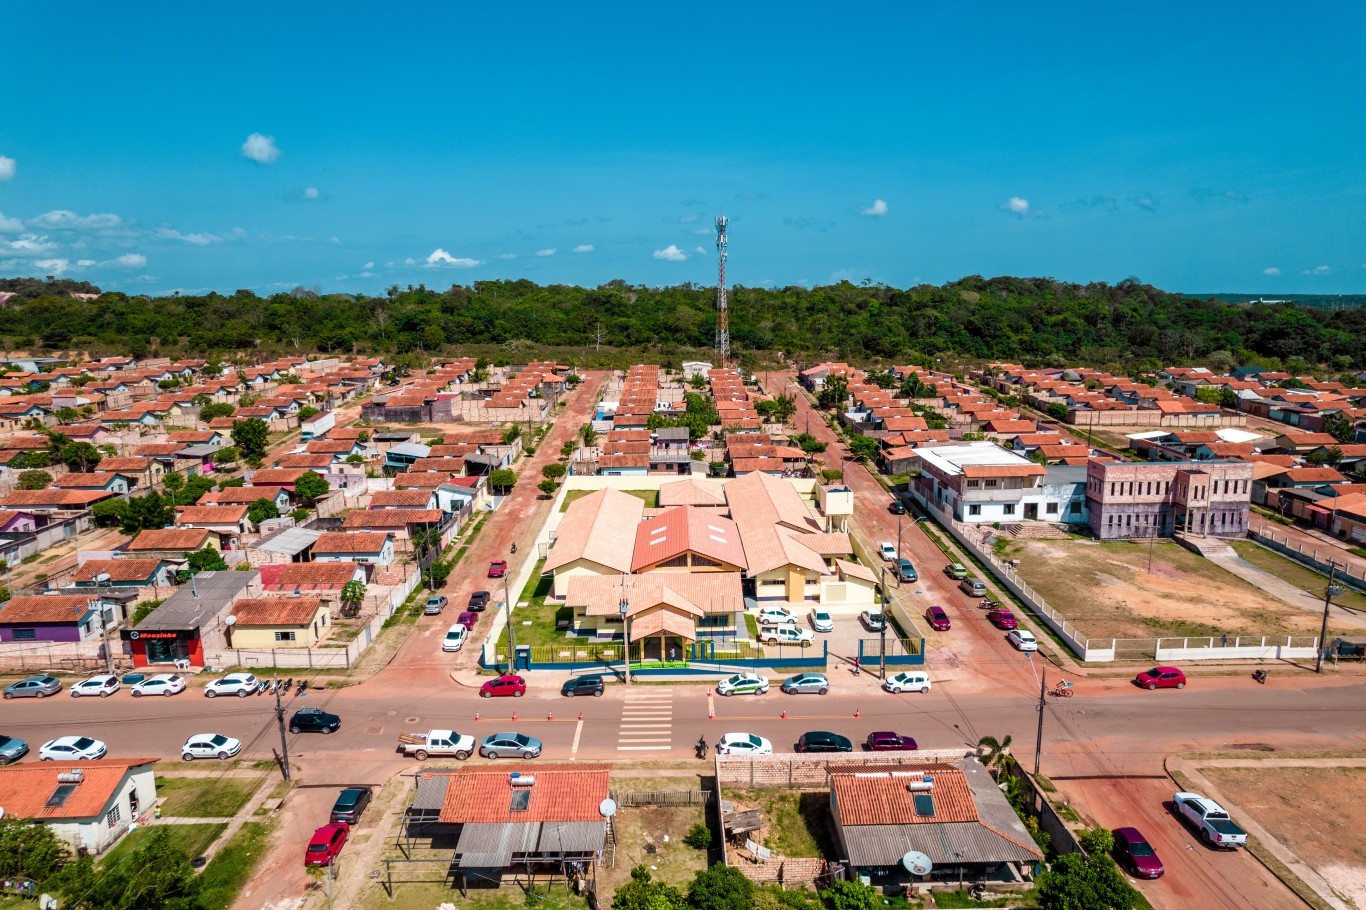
1319, 270
311, 192
131, 261
550, 251
368, 266
32, 244
84, 263
1017, 206
61, 219
440, 257
196, 239
7, 166
670, 253
261, 149
584, 248
55, 266
1272, 271
10, 225
699, 251
878, 208
506, 256
702, 232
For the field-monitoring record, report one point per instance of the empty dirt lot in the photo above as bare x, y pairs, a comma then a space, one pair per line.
1107, 591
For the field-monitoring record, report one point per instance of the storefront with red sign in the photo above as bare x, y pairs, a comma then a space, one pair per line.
165, 646
188, 622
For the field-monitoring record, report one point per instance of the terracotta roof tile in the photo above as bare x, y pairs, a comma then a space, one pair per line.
118, 569
54, 608
561, 793
682, 529
168, 539
307, 576
332, 542
223, 514
599, 527
361, 519
409, 499
882, 799
276, 611
25, 789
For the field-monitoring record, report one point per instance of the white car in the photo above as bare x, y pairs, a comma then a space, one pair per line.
776, 616
455, 637
887, 550
210, 745
72, 748
742, 683
786, 635
161, 684
102, 685
1023, 640
908, 681
822, 621
239, 684
743, 744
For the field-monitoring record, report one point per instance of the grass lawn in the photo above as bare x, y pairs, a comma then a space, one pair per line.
193, 839
531, 606
674, 862
795, 822
651, 497
205, 797
231, 866
1300, 576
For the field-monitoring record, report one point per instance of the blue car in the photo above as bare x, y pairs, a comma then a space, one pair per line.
11, 749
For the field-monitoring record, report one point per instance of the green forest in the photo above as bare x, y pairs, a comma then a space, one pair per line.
1034, 320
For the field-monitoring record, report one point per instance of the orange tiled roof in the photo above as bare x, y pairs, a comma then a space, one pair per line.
276, 611
25, 789
118, 569
562, 793
45, 608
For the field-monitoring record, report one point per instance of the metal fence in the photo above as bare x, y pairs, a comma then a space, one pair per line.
1311, 557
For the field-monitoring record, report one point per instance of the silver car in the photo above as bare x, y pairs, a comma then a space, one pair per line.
11, 749
510, 744
34, 687
806, 682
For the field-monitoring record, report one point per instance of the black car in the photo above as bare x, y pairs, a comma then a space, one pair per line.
820, 741
314, 720
582, 685
478, 601
350, 803
897, 507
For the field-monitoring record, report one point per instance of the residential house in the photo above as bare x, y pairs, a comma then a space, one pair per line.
171, 544
374, 548
139, 572
664, 609
108, 481
227, 522
51, 617
280, 622
1349, 518
144, 472
398, 522
189, 622
54, 501
87, 805
322, 579
246, 496
979, 482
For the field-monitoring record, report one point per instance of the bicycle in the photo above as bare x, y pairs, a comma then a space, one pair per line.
1062, 690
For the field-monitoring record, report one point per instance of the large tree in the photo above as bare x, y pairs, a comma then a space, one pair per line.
721, 887
311, 487
154, 875
250, 437
642, 892
29, 850
1079, 882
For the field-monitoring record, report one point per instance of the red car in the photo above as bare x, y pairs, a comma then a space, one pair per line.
1161, 678
326, 844
498, 568
938, 619
502, 686
1003, 619
1133, 850
468, 619
884, 741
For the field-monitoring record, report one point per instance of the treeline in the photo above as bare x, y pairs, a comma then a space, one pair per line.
1037, 320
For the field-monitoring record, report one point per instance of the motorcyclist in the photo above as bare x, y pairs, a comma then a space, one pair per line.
701, 746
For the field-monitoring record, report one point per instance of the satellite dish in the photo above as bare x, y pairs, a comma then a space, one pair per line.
607, 808
917, 863
231, 620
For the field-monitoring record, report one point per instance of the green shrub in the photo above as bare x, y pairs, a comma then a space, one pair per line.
699, 837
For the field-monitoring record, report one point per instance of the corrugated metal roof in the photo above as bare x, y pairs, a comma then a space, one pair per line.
431, 792
944, 844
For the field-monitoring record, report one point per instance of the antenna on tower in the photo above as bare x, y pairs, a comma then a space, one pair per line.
722, 313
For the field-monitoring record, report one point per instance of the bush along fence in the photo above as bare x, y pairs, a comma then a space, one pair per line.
1105, 650
698, 657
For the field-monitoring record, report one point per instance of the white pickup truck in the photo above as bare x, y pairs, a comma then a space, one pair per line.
436, 742
1211, 820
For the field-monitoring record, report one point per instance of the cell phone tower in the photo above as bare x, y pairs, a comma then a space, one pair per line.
722, 311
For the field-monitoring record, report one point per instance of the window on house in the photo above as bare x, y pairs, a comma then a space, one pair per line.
990, 484
25, 634
1051, 508
715, 621
974, 484
284, 636
1075, 508
1008, 509
974, 510
112, 816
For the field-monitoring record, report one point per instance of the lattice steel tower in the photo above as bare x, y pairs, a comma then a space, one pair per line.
722, 312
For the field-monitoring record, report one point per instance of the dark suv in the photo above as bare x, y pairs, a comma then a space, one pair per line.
314, 720
820, 741
582, 685
478, 601
350, 803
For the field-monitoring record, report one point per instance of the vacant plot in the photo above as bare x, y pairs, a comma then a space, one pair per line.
1108, 590
795, 822
204, 797
192, 839
651, 497
1297, 806
1300, 576
641, 840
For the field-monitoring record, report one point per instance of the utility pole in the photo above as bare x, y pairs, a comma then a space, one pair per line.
284, 741
512, 634
1038, 739
1328, 594
882, 632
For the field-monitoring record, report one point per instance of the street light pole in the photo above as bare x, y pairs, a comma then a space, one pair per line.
102, 581
1328, 594
1038, 739
512, 634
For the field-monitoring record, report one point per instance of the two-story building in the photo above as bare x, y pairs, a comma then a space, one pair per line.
980, 481
1156, 499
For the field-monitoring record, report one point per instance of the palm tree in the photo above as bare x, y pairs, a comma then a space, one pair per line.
995, 753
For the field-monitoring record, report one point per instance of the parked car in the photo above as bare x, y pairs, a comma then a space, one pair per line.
350, 803
210, 745
821, 741
455, 638
1161, 678
938, 619
973, 587
743, 744
905, 571
326, 843
786, 635
583, 685
822, 621
34, 687
479, 600
162, 684
1023, 640
11, 749
806, 682
1210, 820
498, 568
1002, 618
886, 741
314, 720
875, 620
743, 684
503, 686
239, 684
510, 744
908, 681
956, 570
72, 748
434, 605
887, 550
776, 616
467, 619
896, 507
102, 685
1133, 850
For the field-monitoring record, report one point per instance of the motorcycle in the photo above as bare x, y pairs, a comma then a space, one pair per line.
1260, 676
701, 748
988, 604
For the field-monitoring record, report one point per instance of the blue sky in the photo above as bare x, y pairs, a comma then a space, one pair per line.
355, 146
